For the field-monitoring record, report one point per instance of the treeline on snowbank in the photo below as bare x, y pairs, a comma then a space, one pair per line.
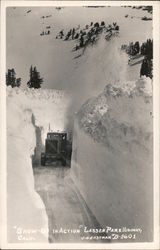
89, 34
35, 80
146, 50
149, 9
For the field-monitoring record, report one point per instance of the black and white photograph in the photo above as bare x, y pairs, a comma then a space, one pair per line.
79, 84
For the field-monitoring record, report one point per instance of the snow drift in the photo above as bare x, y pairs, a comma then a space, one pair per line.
58, 64
28, 110
112, 156
56, 61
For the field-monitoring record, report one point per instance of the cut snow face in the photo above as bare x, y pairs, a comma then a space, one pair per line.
95, 113
27, 110
25, 210
48, 107
112, 159
28, 219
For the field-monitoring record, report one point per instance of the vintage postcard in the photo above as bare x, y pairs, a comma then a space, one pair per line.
80, 124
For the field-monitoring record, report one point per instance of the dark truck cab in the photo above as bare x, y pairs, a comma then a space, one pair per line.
55, 148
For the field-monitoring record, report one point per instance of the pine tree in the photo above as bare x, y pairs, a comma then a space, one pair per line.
143, 49
117, 27
96, 25
131, 49
18, 82
35, 81
73, 33
81, 41
102, 23
137, 47
30, 83
146, 68
147, 49
143, 70
11, 79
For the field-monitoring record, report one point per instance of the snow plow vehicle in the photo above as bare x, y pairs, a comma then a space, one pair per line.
55, 148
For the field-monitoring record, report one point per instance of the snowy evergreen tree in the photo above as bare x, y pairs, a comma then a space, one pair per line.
35, 81
81, 41
147, 49
146, 68
137, 47
147, 65
102, 23
96, 25
11, 79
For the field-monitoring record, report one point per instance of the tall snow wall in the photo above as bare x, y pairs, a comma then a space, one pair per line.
112, 156
27, 111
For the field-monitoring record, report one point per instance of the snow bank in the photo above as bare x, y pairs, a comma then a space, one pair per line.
112, 156
56, 55
67, 69
26, 111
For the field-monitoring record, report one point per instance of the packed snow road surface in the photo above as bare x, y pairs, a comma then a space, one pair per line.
68, 214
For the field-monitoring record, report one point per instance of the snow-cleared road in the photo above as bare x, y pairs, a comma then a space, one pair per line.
66, 209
